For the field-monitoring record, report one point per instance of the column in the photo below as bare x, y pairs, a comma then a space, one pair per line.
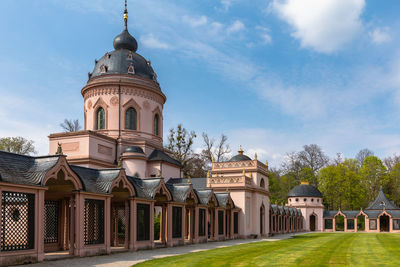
127, 228
152, 224
169, 225
132, 225
196, 225
345, 224
334, 224
39, 229
183, 223
107, 224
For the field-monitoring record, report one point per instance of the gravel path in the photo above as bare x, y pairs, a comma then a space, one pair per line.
130, 258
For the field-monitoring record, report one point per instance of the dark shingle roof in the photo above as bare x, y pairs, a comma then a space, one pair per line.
203, 195
372, 213
240, 157
330, 213
394, 213
198, 183
351, 214
381, 202
96, 181
179, 192
134, 149
146, 187
20, 169
158, 155
304, 190
222, 199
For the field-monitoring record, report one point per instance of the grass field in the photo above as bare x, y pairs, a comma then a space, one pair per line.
357, 249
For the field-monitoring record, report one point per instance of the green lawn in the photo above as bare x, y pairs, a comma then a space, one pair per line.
358, 249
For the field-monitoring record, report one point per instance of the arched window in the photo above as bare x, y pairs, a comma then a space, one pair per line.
156, 125
101, 119
262, 183
131, 119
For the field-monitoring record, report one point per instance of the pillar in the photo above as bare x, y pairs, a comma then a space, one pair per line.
132, 225
152, 224
345, 223
39, 211
127, 228
169, 225
196, 225
107, 224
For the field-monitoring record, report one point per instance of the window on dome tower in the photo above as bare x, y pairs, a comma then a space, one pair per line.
156, 125
101, 119
131, 119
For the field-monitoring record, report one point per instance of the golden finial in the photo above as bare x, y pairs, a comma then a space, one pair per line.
159, 173
212, 159
240, 150
119, 163
189, 181
59, 150
126, 15
251, 175
244, 173
255, 156
208, 174
266, 163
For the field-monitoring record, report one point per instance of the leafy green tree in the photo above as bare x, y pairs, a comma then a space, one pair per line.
373, 176
18, 145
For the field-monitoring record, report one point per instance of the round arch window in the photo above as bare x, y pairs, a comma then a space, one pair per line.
312, 200
305, 200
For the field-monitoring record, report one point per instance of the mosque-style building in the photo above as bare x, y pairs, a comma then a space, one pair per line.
114, 187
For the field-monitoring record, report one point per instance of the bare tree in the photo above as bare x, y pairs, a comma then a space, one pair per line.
71, 125
18, 145
362, 155
389, 162
313, 157
217, 151
180, 144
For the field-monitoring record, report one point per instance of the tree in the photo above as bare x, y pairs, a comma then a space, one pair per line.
373, 176
313, 157
218, 151
180, 143
363, 154
18, 145
390, 162
71, 125
196, 167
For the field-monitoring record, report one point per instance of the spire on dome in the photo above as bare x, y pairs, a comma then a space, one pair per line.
124, 40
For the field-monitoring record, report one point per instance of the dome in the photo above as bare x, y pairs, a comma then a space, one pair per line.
240, 156
125, 41
124, 59
134, 149
304, 190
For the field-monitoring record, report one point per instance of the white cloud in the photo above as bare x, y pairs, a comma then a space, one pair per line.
195, 22
236, 26
323, 25
226, 4
151, 41
266, 38
380, 35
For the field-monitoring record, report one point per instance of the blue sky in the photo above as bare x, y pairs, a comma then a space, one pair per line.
273, 75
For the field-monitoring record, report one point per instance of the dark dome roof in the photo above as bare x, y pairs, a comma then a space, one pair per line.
134, 149
240, 157
125, 41
124, 59
304, 190
119, 61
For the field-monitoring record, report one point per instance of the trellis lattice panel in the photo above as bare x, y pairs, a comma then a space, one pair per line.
94, 222
51, 221
18, 221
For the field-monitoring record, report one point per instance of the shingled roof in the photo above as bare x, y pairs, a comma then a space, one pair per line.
96, 181
26, 170
145, 188
381, 202
158, 155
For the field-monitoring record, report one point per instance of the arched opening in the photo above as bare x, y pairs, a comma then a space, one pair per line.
59, 210
339, 223
156, 126
100, 119
313, 222
262, 220
361, 223
131, 119
262, 183
384, 223
160, 217
120, 216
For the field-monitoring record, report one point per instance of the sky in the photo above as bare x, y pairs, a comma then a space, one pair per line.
272, 75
